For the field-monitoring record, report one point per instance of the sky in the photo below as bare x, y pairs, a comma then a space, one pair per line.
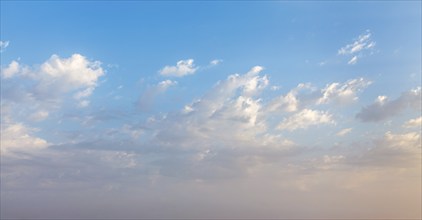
226, 109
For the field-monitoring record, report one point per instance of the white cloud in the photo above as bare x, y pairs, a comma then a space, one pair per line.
12, 69
416, 122
383, 108
357, 48
3, 45
343, 93
45, 87
343, 132
215, 62
408, 142
16, 137
354, 60
306, 94
363, 42
182, 68
304, 119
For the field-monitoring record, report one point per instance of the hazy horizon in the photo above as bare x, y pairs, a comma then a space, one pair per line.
263, 110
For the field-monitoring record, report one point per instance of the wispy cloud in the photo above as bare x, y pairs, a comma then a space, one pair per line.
356, 49
3, 45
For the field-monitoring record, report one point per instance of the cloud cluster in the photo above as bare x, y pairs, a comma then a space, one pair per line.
355, 49
31, 94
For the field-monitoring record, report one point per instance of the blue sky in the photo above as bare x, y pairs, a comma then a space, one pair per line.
204, 109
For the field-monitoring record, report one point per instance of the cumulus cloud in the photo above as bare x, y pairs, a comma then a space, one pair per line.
12, 69
304, 119
17, 137
305, 94
362, 43
384, 108
182, 68
41, 89
3, 45
343, 93
416, 122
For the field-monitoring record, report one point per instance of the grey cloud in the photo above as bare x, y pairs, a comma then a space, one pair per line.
383, 108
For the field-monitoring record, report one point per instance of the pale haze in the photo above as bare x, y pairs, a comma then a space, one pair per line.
210, 110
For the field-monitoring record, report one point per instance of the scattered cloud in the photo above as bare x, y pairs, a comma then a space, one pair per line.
343, 132
356, 49
182, 68
305, 94
363, 42
3, 45
304, 119
383, 108
354, 60
215, 62
343, 93
416, 122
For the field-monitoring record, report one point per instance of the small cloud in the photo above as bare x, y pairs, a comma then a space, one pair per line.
3, 45
215, 62
182, 68
352, 61
412, 123
344, 132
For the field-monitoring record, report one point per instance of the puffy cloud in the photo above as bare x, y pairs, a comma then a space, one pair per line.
304, 119
3, 45
17, 137
362, 43
416, 122
43, 88
182, 68
12, 69
68, 74
383, 108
